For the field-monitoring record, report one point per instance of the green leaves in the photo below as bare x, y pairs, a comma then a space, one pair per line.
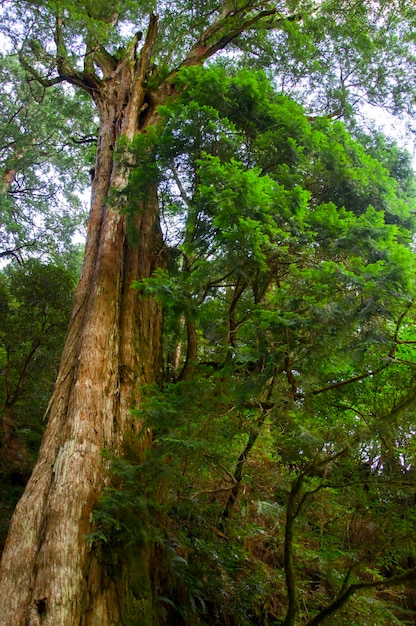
35, 300
35, 305
289, 352
287, 290
43, 171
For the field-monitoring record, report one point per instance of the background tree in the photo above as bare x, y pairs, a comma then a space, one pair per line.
36, 302
42, 164
114, 341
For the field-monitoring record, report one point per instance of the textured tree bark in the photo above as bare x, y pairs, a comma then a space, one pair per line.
49, 575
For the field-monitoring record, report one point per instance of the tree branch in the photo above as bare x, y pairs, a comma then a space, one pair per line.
390, 358
11, 401
106, 62
85, 139
351, 589
147, 50
181, 188
45, 82
342, 383
238, 472
272, 19
88, 81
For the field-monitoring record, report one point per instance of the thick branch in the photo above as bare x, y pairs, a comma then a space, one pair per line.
45, 82
89, 82
147, 50
86, 80
105, 60
293, 508
85, 139
206, 46
143, 63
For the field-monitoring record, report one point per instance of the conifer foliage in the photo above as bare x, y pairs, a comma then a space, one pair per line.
230, 435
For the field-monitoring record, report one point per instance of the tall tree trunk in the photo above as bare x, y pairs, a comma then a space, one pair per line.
49, 575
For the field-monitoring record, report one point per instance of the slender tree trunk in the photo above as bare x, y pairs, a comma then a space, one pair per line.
49, 574
188, 369
238, 474
289, 565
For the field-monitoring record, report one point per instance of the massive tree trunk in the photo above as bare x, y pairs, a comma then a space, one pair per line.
49, 573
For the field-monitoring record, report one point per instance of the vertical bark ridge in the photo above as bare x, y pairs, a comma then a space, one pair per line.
54, 580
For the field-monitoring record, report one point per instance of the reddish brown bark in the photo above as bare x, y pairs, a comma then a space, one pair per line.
49, 575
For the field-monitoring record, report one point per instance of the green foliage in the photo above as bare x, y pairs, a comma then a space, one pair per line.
283, 432
42, 170
35, 304
283, 442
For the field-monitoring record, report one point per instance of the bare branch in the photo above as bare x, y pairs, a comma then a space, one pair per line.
18, 389
85, 139
211, 491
